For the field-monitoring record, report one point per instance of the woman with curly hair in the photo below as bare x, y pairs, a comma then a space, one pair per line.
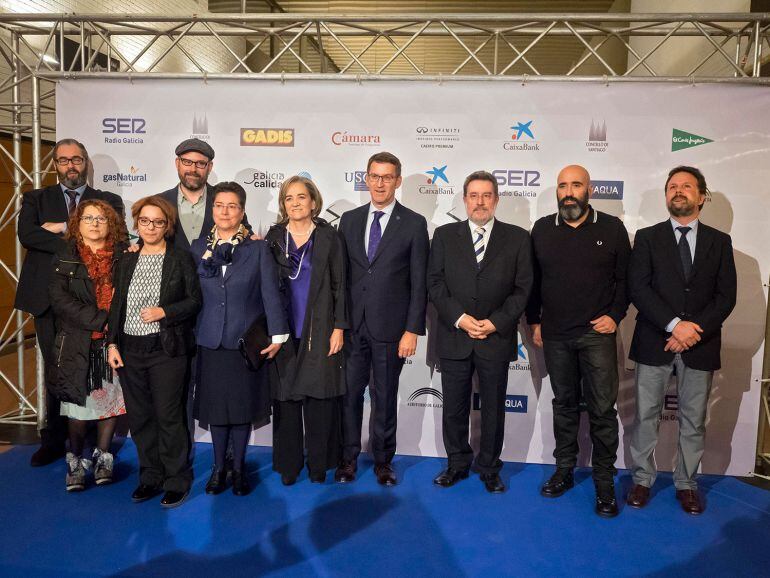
80, 294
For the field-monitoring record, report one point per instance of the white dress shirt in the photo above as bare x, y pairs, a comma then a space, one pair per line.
383, 221
692, 237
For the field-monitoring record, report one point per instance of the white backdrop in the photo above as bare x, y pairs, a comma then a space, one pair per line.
265, 131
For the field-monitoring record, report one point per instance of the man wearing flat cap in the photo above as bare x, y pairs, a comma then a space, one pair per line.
193, 195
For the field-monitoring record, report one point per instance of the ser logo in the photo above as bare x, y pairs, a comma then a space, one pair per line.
517, 182
124, 126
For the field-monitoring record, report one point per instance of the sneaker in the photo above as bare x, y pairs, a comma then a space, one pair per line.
103, 467
76, 473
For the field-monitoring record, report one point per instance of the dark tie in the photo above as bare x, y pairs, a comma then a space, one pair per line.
684, 252
72, 197
478, 245
375, 235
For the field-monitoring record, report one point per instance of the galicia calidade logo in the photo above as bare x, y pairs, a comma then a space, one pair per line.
265, 179
522, 131
681, 140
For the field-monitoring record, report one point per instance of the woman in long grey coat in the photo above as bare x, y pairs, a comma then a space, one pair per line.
308, 376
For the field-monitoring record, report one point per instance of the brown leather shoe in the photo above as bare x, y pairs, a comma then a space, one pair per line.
345, 472
691, 501
638, 496
385, 474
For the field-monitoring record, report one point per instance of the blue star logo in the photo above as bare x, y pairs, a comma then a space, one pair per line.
522, 128
438, 174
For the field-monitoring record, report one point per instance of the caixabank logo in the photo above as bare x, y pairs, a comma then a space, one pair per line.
606, 190
437, 182
681, 140
519, 360
125, 179
426, 397
522, 138
513, 403
267, 137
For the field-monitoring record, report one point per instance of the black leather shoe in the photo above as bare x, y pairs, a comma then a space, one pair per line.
562, 480
606, 503
386, 476
449, 477
47, 455
142, 493
288, 480
173, 499
318, 478
217, 482
346, 472
241, 483
493, 483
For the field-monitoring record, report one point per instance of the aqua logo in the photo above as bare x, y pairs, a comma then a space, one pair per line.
606, 190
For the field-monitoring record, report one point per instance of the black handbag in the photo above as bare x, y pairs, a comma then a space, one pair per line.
252, 342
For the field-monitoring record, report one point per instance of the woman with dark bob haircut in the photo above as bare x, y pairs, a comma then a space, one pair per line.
80, 294
239, 281
157, 296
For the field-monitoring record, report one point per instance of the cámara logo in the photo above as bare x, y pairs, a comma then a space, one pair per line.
340, 138
267, 137
681, 140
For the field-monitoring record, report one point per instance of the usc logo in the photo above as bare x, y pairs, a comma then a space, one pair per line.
267, 137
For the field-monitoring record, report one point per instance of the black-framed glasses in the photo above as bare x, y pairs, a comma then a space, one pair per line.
64, 161
189, 162
387, 179
156, 223
98, 219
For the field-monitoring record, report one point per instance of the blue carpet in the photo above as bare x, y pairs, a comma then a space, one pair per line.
361, 529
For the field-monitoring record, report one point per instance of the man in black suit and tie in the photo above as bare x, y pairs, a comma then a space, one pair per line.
479, 279
682, 280
41, 227
387, 255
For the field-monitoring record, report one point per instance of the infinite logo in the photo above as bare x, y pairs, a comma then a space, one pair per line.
609, 190
267, 137
681, 140
422, 129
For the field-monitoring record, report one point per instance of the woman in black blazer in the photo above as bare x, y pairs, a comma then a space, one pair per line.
157, 296
308, 379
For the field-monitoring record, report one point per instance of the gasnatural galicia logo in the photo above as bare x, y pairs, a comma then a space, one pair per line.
358, 178
343, 137
606, 190
428, 393
513, 403
267, 137
597, 137
437, 137
517, 182
125, 179
681, 140
127, 130
265, 179
436, 176
522, 138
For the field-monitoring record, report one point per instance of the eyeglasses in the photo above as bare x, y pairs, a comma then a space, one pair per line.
387, 179
98, 219
189, 162
64, 161
156, 223
228, 206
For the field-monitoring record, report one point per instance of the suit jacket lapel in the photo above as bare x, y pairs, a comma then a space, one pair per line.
60, 204
668, 242
360, 230
240, 257
465, 242
493, 246
394, 224
321, 248
702, 245
166, 272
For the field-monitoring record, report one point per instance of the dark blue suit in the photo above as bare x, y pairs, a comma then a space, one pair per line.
387, 297
231, 304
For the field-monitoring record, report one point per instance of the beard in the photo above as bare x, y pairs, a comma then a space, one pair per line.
681, 210
573, 212
72, 178
193, 181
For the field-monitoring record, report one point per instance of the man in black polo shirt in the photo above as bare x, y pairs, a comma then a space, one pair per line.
577, 302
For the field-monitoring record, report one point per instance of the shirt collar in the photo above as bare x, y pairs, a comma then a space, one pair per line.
592, 217
182, 199
487, 226
692, 224
79, 190
387, 210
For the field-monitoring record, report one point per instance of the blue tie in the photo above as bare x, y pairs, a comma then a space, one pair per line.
375, 235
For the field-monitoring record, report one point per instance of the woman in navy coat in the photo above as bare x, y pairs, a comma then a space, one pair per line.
239, 282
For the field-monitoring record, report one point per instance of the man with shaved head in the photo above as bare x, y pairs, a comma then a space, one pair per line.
578, 300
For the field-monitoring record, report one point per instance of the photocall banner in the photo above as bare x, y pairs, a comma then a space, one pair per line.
627, 135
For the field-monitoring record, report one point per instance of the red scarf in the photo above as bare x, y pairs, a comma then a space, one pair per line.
99, 265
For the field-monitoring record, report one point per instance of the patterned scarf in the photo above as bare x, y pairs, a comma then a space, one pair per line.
99, 265
219, 252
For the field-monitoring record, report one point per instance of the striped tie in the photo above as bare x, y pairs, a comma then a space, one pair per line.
478, 244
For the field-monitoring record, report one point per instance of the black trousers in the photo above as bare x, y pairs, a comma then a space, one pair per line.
590, 359
366, 356
320, 435
456, 382
54, 432
154, 387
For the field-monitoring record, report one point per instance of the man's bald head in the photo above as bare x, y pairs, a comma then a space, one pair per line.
572, 187
574, 173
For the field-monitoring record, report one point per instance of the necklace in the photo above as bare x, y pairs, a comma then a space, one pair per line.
305, 234
301, 257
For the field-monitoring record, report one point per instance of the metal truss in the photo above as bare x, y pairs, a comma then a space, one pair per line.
495, 47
